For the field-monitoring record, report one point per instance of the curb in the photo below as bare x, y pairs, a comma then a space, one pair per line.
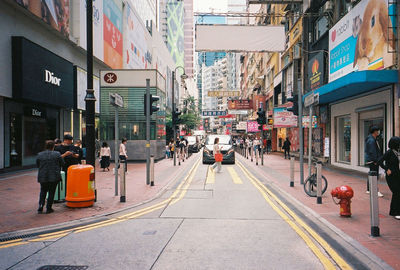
93, 219
366, 257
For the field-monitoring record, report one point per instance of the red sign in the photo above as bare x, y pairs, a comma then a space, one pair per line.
183, 132
201, 128
227, 116
244, 104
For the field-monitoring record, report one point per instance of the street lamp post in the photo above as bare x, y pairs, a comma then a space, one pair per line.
183, 77
90, 98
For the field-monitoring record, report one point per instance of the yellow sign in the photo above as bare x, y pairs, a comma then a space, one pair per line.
223, 93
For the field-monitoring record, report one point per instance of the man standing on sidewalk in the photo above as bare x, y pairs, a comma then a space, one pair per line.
372, 153
286, 147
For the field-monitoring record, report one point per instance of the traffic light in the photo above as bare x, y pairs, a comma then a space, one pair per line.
261, 120
295, 107
152, 107
175, 117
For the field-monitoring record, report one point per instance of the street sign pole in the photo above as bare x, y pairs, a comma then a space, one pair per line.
148, 131
301, 135
310, 141
116, 154
173, 111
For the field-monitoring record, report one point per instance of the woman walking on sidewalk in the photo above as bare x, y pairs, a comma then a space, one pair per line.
390, 163
123, 156
49, 163
216, 150
105, 154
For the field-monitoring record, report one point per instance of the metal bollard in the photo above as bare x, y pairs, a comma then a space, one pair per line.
152, 170
319, 185
374, 207
122, 184
292, 171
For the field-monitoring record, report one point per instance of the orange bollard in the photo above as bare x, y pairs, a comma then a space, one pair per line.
80, 186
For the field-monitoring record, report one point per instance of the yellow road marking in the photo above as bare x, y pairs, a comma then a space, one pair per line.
264, 190
10, 241
235, 177
210, 176
48, 238
13, 244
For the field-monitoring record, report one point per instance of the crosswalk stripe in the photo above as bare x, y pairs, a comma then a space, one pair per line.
235, 177
210, 176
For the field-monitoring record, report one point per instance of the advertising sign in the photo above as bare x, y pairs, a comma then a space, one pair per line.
242, 112
223, 93
112, 25
326, 147
284, 118
241, 126
81, 84
53, 12
362, 40
252, 126
244, 104
98, 47
135, 41
214, 113
306, 121
316, 71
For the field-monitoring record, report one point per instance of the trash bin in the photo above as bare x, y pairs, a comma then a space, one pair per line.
59, 195
80, 186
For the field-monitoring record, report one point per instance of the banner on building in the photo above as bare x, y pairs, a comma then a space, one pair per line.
284, 119
113, 39
223, 93
363, 39
81, 83
316, 71
98, 32
306, 121
240, 112
52, 12
241, 125
252, 126
244, 104
253, 38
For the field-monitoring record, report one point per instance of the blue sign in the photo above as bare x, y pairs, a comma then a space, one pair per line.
214, 113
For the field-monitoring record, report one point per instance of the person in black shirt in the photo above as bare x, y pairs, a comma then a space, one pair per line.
78, 150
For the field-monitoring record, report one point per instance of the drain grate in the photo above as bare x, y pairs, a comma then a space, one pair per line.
63, 267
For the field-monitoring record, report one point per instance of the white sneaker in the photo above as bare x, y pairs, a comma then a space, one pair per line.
380, 195
397, 217
367, 191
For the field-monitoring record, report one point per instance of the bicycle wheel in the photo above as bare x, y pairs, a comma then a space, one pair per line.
310, 186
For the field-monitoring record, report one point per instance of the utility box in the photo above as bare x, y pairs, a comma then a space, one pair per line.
80, 186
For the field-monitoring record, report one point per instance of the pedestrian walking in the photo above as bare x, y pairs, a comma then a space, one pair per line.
216, 150
105, 155
172, 147
286, 147
372, 153
390, 163
269, 145
78, 150
123, 156
167, 151
249, 143
181, 151
57, 142
49, 163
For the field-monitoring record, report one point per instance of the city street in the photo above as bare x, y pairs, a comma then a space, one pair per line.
207, 220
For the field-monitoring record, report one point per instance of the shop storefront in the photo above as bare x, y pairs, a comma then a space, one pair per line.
42, 89
356, 102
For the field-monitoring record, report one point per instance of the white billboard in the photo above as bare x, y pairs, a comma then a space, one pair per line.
98, 46
240, 38
81, 76
362, 40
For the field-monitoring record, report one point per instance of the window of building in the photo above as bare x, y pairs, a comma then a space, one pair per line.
344, 139
320, 27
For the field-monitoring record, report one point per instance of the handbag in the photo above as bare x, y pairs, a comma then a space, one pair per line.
218, 157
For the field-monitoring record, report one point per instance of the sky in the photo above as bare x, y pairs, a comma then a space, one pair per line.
205, 5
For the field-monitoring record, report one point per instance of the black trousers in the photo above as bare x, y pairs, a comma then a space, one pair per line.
373, 168
48, 187
287, 152
394, 185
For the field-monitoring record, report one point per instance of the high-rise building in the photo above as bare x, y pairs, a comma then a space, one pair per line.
189, 38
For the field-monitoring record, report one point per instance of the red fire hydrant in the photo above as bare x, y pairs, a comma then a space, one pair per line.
344, 193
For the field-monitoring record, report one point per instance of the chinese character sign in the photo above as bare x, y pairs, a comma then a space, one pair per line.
284, 118
252, 126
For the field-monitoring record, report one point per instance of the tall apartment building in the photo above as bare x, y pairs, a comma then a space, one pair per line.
188, 38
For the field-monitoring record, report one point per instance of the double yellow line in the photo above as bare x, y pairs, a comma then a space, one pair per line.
298, 225
178, 194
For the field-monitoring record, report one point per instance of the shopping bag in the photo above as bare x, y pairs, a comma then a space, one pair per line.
218, 157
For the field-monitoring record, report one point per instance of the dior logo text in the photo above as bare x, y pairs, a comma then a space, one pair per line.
50, 78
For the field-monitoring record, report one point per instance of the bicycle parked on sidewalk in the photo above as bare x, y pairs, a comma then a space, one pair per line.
310, 185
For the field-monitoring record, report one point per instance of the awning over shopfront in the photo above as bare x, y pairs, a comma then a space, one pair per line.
354, 84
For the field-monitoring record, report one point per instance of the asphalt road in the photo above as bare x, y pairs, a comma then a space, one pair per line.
226, 220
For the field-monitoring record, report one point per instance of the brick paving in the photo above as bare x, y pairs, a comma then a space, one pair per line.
19, 194
387, 246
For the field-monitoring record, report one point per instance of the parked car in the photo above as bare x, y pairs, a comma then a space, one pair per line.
193, 144
227, 150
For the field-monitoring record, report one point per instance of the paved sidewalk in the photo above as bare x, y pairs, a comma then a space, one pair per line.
19, 194
387, 246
